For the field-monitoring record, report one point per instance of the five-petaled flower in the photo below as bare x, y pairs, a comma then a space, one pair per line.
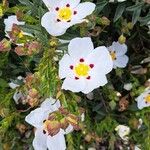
63, 14
117, 52
39, 118
84, 68
144, 99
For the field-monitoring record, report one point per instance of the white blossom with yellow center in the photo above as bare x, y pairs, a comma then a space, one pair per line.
63, 14
117, 52
143, 100
10, 21
84, 68
39, 119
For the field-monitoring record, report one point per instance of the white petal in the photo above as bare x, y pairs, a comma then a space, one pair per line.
64, 67
56, 142
84, 9
39, 142
54, 28
120, 49
101, 59
17, 96
72, 3
73, 84
94, 82
50, 4
13, 85
80, 47
68, 129
36, 117
10, 21
50, 104
121, 61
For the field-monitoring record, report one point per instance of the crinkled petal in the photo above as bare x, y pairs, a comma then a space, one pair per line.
120, 49
84, 9
54, 28
94, 82
80, 47
72, 3
73, 84
40, 140
56, 142
64, 67
13, 85
36, 117
68, 129
10, 21
121, 61
101, 59
50, 104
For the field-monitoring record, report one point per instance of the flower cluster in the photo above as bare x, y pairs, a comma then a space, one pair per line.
85, 66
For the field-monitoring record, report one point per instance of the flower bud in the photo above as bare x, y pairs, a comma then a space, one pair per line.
64, 123
73, 120
52, 127
32, 101
20, 50
88, 138
21, 128
122, 39
5, 45
33, 93
105, 21
130, 25
33, 47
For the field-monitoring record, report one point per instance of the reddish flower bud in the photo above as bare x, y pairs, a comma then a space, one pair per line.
5, 45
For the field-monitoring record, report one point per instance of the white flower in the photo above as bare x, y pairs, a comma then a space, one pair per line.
127, 86
140, 122
117, 52
63, 14
143, 100
84, 68
38, 118
123, 131
10, 21
136, 148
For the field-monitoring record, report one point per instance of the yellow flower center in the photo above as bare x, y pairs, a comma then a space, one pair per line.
82, 69
147, 99
65, 13
20, 35
113, 55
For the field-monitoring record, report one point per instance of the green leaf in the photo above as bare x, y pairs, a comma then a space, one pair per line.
145, 20
119, 11
135, 7
136, 15
100, 6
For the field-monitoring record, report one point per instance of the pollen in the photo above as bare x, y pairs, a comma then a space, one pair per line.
113, 55
82, 70
147, 99
20, 35
65, 13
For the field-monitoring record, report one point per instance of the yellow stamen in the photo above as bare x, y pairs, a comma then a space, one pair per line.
113, 55
147, 99
82, 70
65, 14
20, 35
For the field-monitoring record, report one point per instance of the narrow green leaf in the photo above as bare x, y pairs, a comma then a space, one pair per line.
100, 6
119, 11
135, 7
145, 20
136, 15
